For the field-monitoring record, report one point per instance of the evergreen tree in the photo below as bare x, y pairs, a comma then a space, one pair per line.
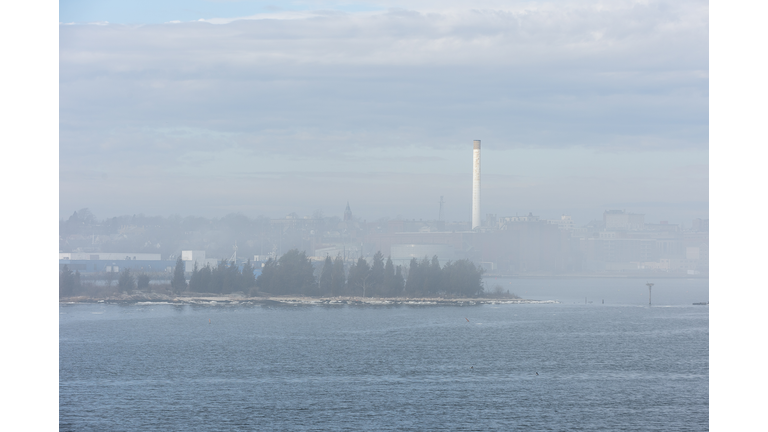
326, 277
194, 280
357, 279
399, 283
217, 277
423, 282
266, 279
291, 274
338, 278
249, 280
66, 282
415, 281
463, 278
432, 283
178, 283
231, 279
203, 281
76, 280
126, 283
142, 282
375, 282
389, 288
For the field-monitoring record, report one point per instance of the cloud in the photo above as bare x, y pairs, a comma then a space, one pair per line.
370, 89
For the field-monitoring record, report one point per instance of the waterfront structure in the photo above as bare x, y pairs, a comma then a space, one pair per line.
111, 256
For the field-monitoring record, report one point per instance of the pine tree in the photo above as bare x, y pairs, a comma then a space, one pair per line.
414, 282
339, 279
463, 278
375, 282
266, 279
178, 283
248, 278
326, 277
126, 282
205, 276
389, 289
399, 282
291, 274
357, 279
142, 282
194, 280
66, 282
432, 284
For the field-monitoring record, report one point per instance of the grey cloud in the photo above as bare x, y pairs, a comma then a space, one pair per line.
159, 100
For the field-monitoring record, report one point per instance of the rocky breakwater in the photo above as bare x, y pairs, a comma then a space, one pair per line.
240, 299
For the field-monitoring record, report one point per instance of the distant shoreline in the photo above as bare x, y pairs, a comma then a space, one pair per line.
145, 299
592, 276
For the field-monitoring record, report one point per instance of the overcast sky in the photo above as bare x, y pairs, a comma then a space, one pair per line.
265, 108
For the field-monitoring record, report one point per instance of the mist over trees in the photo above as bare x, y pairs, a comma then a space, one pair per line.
293, 273
126, 283
68, 281
225, 278
178, 283
168, 236
142, 282
507, 246
460, 278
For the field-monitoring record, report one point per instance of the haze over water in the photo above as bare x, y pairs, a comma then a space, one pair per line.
618, 291
617, 366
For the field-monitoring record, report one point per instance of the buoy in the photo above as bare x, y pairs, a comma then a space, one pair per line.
466, 319
209, 320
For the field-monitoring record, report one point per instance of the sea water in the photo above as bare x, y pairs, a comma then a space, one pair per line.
570, 366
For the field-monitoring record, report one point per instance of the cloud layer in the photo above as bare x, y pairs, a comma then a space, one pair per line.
400, 93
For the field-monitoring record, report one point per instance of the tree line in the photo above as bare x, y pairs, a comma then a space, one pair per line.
225, 278
293, 273
70, 282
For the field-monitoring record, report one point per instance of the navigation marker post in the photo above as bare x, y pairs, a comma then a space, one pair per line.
650, 285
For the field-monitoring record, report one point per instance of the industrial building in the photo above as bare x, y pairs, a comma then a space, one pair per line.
114, 262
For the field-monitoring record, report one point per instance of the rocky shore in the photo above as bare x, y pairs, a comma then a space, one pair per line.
239, 299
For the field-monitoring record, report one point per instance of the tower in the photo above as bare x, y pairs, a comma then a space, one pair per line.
347, 213
476, 185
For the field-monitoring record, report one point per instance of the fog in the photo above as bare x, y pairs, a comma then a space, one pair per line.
581, 108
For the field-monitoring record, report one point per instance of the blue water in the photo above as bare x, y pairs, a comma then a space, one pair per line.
627, 291
601, 367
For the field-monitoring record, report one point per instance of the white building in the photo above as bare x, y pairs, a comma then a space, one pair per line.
113, 256
621, 220
564, 223
191, 258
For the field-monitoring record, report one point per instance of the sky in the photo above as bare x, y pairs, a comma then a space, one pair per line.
208, 108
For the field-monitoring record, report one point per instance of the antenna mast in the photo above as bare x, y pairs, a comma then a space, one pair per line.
440, 216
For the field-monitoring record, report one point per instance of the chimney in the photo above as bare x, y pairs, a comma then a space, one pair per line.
476, 185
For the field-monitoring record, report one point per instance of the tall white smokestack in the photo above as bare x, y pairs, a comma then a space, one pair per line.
476, 185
